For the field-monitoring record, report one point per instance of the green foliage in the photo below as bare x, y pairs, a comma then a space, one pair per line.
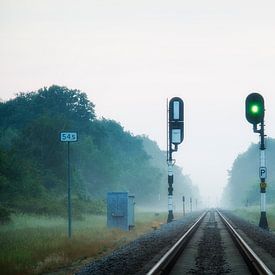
72, 105
33, 162
252, 214
4, 215
36, 244
243, 183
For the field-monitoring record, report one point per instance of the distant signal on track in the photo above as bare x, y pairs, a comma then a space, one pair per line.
255, 112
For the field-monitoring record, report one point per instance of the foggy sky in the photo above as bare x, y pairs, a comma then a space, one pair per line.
130, 56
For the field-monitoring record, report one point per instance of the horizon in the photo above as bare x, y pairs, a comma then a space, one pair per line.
130, 57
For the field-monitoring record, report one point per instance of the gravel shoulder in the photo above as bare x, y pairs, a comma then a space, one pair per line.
261, 241
137, 256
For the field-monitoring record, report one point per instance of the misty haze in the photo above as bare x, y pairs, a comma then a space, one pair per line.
137, 137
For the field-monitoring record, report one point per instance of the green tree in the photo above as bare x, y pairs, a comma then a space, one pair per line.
33, 162
243, 178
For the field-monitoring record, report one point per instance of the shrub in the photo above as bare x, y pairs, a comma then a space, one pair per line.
4, 215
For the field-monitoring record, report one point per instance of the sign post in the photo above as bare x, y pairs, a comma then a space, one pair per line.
174, 138
183, 205
69, 137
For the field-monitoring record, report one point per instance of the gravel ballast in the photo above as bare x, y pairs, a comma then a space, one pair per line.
261, 237
133, 258
211, 259
138, 256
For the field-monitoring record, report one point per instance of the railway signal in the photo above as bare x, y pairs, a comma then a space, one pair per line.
69, 137
254, 108
176, 120
255, 111
175, 136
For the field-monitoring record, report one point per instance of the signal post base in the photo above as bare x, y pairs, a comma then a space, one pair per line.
263, 221
170, 216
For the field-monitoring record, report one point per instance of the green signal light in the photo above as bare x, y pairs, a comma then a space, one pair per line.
255, 109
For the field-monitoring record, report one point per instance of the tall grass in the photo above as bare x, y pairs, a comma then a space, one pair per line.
37, 244
252, 214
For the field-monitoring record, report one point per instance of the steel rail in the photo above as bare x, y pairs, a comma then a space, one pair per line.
164, 265
255, 264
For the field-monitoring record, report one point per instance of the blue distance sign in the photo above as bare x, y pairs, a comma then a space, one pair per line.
68, 136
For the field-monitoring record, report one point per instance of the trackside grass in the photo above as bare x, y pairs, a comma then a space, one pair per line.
39, 244
252, 214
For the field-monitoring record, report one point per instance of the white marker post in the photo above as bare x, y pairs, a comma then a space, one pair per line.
262, 175
69, 137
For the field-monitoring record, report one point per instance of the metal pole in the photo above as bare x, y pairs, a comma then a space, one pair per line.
191, 208
69, 196
170, 171
183, 205
170, 188
263, 219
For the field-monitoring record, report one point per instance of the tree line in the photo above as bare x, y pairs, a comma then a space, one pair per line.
243, 187
106, 158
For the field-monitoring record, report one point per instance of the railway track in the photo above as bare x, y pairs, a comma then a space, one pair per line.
204, 247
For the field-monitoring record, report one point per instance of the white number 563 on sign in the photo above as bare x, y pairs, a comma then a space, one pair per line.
68, 136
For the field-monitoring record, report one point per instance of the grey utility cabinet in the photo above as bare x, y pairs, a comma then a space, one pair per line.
120, 210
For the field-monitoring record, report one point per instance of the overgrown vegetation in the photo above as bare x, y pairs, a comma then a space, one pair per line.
33, 181
243, 188
34, 244
4, 215
252, 214
33, 177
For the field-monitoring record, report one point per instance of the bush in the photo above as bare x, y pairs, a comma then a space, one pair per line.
52, 206
4, 215
92, 206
